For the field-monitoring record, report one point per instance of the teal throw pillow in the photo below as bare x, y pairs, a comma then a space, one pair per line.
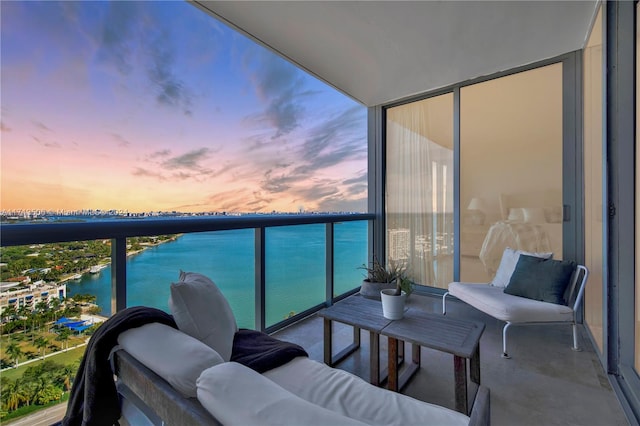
541, 279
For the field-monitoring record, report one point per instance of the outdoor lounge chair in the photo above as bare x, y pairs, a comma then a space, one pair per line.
495, 300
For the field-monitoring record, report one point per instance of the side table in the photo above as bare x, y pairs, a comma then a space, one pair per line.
457, 337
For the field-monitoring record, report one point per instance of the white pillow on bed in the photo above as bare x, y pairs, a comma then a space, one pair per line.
201, 310
516, 214
508, 265
237, 395
171, 354
534, 215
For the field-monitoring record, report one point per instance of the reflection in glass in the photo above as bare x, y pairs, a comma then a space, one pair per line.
593, 145
419, 189
510, 169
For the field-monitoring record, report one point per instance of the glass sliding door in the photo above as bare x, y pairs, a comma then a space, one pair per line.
419, 189
593, 178
511, 176
637, 206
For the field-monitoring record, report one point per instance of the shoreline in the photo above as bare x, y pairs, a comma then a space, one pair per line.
101, 266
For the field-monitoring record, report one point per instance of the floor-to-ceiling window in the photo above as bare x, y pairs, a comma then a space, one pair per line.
593, 149
511, 168
419, 188
515, 138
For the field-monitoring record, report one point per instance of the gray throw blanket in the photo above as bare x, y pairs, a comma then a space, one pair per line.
261, 352
94, 399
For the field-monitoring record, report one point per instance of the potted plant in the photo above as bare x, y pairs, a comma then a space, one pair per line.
378, 277
391, 280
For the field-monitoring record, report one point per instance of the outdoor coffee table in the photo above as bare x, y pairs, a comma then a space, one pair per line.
361, 313
436, 331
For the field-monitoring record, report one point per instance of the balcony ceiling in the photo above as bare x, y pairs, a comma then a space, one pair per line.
382, 51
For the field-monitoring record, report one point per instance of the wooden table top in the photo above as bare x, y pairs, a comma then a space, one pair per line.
357, 311
436, 331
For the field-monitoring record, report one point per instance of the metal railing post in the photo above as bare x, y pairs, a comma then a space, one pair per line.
260, 278
329, 266
118, 274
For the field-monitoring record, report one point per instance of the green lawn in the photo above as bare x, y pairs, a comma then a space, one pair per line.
25, 342
63, 358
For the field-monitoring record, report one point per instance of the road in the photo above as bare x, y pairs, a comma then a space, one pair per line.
45, 417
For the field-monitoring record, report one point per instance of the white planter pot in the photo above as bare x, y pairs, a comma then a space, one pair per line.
392, 305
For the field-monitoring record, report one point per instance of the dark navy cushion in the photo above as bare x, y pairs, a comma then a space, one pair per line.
541, 279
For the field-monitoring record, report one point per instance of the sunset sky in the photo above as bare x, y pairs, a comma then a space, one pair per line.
148, 105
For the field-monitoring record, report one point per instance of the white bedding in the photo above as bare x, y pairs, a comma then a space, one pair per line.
349, 395
531, 237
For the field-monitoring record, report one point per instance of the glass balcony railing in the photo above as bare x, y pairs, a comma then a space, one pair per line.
273, 269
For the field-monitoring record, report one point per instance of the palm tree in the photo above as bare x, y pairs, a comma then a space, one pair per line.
41, 308
9, 312
12, 393
41, 343
63, 335
23, 313
67, 375
14, 352
55, 304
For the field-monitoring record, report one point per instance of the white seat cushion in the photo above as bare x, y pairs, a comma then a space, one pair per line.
495, 302
237, 395
349, 395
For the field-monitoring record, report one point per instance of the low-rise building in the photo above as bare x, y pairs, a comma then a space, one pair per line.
19, 294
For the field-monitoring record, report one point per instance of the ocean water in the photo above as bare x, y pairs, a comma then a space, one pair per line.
295, 269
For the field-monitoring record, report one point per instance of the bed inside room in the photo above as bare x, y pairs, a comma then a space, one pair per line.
529, 221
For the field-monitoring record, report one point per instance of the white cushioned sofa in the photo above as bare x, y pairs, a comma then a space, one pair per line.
173, 377
527, 294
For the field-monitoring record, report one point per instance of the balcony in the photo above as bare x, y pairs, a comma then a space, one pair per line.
544, 383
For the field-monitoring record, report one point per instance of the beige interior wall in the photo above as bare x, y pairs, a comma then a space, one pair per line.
511, 137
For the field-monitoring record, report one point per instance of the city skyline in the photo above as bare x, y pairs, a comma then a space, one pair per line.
156, 106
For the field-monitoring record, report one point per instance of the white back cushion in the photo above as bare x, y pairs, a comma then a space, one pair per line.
237, 395
508, 264
201, 310
171, 354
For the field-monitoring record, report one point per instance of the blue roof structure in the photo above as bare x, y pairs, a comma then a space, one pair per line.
74, 325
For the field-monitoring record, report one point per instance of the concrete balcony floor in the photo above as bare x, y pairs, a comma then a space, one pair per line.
544, 383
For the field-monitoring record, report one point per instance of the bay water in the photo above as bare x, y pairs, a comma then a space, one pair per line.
294, 265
